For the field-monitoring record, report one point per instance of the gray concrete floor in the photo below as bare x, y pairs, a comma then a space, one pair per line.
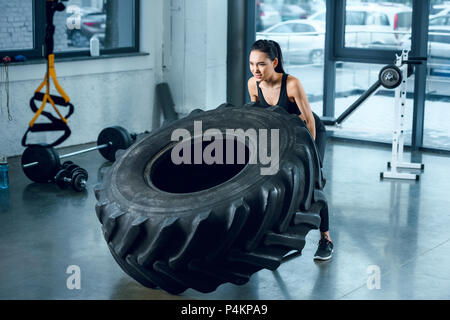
402, 228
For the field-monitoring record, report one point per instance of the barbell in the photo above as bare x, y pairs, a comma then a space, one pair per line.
41, 163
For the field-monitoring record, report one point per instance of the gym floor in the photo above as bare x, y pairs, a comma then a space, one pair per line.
401, 229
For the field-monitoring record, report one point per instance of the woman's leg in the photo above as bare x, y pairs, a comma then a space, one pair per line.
321, 141
324, 224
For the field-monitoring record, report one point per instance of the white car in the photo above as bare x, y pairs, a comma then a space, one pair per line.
438, 45
440, 20
382, 24
301, 41
440, 10
266, 16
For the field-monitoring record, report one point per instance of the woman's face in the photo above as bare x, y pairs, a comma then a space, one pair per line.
261, 66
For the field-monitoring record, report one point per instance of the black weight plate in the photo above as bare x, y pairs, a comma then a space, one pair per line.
59, 179
48, 166
390, 77
67, 164
120, 139
79, 171
71, 168
77, 178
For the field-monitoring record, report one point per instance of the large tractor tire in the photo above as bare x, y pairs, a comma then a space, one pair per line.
199, 226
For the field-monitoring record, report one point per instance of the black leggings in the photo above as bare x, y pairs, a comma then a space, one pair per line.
321, 142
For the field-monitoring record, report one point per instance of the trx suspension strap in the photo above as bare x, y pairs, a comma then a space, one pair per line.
56, 123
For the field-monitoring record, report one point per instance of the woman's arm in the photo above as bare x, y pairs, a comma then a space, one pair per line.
252, 90
296, 89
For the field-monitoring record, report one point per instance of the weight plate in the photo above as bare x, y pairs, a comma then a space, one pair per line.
120, 139
79, 179
390, 77
59, 179
48, 163
67, 164
71, 168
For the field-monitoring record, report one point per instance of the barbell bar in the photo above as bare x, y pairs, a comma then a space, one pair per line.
29, 165
41, 163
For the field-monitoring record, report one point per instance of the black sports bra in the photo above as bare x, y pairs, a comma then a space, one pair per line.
283, 101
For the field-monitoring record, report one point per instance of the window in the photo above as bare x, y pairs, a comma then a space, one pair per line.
379, 24
16, 28
403, 21
355, 18
374, 120
441, 36
300, 27
384, 20
302, 42
24, 32
437, 98
319, 17
285, 28
440, 21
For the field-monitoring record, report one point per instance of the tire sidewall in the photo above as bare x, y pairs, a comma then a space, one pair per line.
128, 187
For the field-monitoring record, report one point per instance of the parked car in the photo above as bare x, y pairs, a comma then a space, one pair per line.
93, 23
266, 16
440, 10
311, 6
438, 46
301, 41
291, 12
440, 20
367, 24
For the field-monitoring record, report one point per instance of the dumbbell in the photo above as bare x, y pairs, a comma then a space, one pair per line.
41, 163
73, 176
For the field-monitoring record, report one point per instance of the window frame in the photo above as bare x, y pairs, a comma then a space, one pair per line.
335, 51
39, 21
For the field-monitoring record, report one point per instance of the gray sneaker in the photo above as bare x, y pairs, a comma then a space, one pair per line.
324, 251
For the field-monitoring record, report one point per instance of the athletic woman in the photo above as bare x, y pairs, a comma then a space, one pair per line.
271, 86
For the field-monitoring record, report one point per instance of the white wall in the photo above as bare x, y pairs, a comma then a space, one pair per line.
186, 40
197, 69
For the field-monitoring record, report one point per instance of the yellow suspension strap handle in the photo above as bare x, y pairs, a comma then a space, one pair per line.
56, 123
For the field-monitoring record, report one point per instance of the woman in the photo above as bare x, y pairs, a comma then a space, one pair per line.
271, 86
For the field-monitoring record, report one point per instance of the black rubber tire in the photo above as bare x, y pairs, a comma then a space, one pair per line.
222, 234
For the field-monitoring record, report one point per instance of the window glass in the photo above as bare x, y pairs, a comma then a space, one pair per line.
378, 24
16, 25
434, 11
439, 21
320, 17
437, 99
384, 20
374, 119
404, 21
302, 40
355, 18
84, 19
300, 27
285, 28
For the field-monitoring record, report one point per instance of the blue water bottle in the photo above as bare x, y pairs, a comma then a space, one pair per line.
3, 172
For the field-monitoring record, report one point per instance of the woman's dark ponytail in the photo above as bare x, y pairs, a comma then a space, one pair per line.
279, 67
273, 50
